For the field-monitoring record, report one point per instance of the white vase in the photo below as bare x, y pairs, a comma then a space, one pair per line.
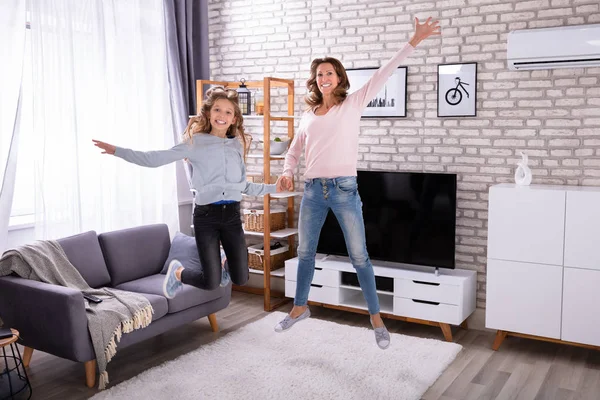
523, 173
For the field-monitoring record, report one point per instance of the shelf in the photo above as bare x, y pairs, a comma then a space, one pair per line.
278, 157
357, 288
274, 117
281, 117
278, 272
357, 300
280, 234
285, 195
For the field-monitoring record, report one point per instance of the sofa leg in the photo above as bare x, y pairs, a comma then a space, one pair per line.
212, 318
90, 373
27, 353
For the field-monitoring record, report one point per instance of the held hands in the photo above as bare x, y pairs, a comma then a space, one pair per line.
424, 30
108, 148
285, 183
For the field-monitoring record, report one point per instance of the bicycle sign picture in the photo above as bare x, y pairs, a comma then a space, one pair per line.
454, 96
457, 90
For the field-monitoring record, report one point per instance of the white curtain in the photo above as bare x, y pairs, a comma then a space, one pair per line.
12, 43
100, 72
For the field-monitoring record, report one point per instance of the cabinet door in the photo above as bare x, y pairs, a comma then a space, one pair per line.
582, 230
581, 320
524, 298
526, 224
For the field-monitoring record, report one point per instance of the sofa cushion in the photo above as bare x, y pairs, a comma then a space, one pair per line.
83, 251
188, 296
158, 303
184, 250
136, 252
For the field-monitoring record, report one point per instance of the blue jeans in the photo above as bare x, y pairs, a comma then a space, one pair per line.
341, 196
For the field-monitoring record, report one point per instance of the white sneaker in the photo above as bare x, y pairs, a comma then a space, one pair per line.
288, 321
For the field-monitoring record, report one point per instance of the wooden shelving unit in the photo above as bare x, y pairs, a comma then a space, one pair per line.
290, 232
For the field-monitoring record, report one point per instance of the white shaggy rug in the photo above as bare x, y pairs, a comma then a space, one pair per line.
315, 359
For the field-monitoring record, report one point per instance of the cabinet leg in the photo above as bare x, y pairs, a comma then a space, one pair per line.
446, 331
500, 336
465, 325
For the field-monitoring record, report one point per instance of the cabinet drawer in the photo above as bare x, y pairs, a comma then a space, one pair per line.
430, 291
580, 318
318, 293
526, 224
439, 312
582, 230
524, 298
325, 277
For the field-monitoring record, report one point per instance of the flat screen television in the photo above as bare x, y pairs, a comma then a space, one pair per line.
410, 218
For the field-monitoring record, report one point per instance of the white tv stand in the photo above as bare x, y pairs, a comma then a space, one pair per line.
406, 292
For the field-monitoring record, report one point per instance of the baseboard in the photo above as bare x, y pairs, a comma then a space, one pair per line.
477, 320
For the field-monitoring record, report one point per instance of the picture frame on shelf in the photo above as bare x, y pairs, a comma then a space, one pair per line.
457, 90
390, 102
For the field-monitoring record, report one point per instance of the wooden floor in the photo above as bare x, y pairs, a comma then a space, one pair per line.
521, 369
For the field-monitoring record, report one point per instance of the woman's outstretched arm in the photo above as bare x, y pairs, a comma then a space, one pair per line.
422, 31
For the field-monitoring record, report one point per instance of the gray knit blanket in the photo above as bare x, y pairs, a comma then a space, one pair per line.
119, 312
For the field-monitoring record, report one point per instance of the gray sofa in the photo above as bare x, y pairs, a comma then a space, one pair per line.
52, 318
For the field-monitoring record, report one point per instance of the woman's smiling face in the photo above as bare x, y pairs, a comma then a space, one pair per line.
327, 78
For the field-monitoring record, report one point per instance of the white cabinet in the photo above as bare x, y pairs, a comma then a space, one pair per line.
582, 233
407, 292
543, 271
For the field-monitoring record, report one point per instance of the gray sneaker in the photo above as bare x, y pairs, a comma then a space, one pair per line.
171, 283
382, 336
288, 321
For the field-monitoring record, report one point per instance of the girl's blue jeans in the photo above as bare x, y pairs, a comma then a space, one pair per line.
341, 196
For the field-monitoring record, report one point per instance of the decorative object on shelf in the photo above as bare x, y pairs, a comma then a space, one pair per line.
256, 254
245, 98
390, 102
278, 146
523, 173
259, 103
457, 90
254, 219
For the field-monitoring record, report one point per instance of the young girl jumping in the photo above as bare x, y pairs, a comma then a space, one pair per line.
215, 144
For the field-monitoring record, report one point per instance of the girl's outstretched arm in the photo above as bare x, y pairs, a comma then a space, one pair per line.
150, 159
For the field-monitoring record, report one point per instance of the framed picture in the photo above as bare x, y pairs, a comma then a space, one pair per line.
390, 102
457, 90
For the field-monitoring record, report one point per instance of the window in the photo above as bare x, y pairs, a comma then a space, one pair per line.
23, 205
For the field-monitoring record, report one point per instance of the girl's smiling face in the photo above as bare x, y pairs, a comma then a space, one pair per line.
222, 115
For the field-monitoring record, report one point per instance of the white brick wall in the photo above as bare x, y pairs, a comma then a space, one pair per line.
553, 115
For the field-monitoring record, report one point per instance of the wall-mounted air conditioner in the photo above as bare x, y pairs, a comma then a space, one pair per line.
561, 47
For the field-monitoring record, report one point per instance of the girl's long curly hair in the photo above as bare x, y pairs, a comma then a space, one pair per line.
201, 123
315, 97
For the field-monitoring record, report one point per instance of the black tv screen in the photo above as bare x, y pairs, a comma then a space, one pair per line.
410, 217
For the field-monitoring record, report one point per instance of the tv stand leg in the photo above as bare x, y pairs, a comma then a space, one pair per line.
437, 271
447, 331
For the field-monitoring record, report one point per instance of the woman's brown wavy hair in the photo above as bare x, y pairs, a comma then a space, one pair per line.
315, 97
201, 123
